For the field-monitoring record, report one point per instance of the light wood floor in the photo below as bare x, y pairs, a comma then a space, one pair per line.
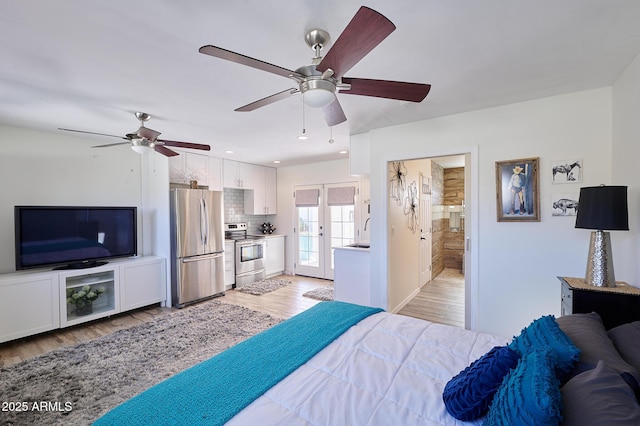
442, 301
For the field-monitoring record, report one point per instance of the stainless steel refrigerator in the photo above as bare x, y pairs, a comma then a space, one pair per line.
197, 245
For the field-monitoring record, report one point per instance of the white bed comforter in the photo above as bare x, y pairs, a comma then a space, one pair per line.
386, 370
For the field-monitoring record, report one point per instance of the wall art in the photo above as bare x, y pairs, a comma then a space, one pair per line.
411, 206
517, 197
566, 171
564, 204
397, 181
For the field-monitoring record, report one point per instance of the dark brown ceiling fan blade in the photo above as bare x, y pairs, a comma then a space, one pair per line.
238, 58
403, 91
268, 100
92, 133
366, 30
149, 134
333, 113
165, 151
189, 145
110, 144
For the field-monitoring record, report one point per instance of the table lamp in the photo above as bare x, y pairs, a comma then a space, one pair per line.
602, 208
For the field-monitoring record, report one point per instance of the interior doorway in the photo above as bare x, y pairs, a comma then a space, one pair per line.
440, 279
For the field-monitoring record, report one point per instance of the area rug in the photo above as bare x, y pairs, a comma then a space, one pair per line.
264, 286
76, 385
321, 293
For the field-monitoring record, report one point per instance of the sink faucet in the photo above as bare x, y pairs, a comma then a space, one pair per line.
365, 222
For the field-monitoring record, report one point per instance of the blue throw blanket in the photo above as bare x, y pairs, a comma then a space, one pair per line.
215, 390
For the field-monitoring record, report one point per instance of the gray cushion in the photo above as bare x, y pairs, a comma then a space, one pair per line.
599, 397
626, 339
587, 332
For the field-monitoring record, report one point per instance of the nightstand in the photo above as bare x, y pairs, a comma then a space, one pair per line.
615, 305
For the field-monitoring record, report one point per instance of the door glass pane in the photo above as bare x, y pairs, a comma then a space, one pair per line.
308, 244
342, 227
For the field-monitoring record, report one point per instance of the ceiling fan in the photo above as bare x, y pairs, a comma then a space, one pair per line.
144, 139
319, 81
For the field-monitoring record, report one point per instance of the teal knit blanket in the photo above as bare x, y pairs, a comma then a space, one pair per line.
215, 390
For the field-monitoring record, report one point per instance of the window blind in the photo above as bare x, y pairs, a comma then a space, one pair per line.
341, 196
307, 197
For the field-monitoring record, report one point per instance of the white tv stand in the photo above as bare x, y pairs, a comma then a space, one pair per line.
33, 302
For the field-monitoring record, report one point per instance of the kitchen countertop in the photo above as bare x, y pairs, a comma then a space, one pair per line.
269, 235
355, 246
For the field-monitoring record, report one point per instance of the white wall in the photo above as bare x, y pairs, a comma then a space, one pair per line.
309, 174
517, 262
626, 153
42, 168
404, 246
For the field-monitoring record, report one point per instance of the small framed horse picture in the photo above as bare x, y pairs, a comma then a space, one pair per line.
564, 204
517, 197
567, 171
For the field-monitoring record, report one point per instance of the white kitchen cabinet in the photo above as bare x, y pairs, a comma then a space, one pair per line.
262, 199
237, 175
176, 169
274, 255
189, 166
352, 276
215, 174
29, 304
34, 302
229, 263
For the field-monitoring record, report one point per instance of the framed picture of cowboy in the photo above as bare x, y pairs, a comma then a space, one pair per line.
566, 171
517, 196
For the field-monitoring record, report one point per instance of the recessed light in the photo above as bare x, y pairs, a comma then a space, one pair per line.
343, 152
228, 151
276, 161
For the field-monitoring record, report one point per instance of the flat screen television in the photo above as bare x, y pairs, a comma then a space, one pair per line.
73, 237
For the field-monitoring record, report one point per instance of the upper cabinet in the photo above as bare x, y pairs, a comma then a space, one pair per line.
262, 199
188, 166
238, 175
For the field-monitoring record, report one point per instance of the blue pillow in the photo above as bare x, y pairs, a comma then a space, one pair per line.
545, 333
529, 395
468, 395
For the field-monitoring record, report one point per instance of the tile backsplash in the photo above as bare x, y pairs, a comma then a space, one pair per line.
234, 211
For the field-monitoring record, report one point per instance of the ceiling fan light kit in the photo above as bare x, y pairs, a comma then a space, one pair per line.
320, 81
318, 93
140, 146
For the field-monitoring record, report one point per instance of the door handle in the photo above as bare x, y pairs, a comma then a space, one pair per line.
199, 258
422, 238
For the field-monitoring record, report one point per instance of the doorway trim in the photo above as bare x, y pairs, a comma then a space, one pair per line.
380, 237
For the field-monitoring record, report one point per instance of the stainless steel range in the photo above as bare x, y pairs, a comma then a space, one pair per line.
249, 254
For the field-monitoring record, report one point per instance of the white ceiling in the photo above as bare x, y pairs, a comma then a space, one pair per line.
89, 65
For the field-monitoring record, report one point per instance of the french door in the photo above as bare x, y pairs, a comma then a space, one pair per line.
327, 217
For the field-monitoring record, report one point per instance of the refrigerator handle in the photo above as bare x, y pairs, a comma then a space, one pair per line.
206, 221
201, 257
203, 236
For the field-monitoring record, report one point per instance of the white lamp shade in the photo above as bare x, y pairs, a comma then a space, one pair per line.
318, 98
141, 149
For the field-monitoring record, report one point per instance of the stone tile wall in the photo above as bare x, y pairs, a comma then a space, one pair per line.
234, 211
